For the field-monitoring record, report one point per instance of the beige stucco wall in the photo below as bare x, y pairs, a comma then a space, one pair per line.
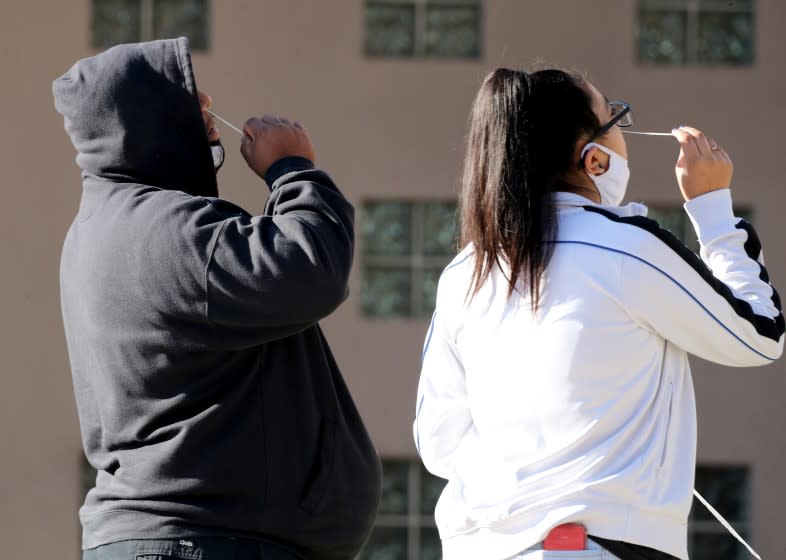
383, 128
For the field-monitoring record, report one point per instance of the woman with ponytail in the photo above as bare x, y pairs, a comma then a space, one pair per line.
555, 395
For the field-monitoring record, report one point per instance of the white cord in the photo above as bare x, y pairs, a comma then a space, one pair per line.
725, 523
226, 122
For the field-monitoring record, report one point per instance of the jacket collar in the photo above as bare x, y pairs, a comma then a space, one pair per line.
568, 200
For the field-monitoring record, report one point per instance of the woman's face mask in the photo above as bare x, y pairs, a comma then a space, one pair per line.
614, 182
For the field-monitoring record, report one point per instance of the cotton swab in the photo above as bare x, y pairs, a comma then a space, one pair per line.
226, 122
648, 133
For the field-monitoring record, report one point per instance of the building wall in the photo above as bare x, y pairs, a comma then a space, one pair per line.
383, 128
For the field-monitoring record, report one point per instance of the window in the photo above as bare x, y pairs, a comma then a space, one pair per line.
405, 528
131, 21
674, 219
406, 245
425, 28
696, 31
728, 490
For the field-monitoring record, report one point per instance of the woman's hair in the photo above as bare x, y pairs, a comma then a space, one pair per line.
523, 133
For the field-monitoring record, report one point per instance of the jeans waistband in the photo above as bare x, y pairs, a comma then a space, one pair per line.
190, 548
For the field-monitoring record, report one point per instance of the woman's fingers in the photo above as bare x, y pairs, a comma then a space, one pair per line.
724, 156
702, 165
687, 143
701, 140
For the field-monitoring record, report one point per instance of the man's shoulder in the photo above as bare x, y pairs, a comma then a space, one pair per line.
161, 220
169, 207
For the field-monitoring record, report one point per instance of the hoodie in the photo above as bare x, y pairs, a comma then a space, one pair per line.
209, 401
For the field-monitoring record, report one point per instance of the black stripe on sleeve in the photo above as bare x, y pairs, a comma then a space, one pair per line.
767, 327
753, 250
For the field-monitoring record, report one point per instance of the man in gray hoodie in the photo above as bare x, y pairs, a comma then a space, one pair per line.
208, 398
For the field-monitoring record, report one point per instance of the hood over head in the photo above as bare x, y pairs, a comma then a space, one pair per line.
132, 114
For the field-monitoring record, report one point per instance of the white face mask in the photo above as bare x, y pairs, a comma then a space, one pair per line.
218, 154
614, 182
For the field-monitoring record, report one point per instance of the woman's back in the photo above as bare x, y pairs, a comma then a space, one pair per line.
571, 408
555, 385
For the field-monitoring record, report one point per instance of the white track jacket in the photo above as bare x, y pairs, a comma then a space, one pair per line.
586, 412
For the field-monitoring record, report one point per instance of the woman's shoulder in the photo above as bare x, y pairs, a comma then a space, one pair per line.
463, 260
630, 234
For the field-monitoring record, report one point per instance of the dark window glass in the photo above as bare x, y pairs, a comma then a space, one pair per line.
387, 228
130, 21
727, 488
715, 32
721, 5
662, 36
405, 527
725, 38
430, 28
429, 293
115, 22
175, 18
453, 31
431, 488
406, 245
386, 292
439, 228
395, 488
674, 219
390, 29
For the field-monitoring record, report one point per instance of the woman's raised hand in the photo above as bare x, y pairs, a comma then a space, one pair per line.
702, 166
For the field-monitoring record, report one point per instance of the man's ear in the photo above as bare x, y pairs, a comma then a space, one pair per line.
595, 161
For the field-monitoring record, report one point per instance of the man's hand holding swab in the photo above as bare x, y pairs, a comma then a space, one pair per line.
268, 139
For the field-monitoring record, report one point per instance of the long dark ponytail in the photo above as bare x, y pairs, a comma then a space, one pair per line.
523, 133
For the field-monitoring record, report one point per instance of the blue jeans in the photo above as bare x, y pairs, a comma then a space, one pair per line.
594, 552
190, 548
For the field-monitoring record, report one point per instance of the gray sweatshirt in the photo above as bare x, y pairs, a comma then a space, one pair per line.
208, 398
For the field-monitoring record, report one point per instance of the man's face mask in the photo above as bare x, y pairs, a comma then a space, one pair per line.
218, 154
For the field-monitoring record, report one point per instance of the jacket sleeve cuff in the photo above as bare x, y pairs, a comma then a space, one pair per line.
711, 214
286, 165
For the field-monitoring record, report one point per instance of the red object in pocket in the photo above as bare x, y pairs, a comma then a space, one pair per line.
569, 536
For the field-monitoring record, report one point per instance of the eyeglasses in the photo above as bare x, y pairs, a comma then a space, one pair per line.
621, 115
